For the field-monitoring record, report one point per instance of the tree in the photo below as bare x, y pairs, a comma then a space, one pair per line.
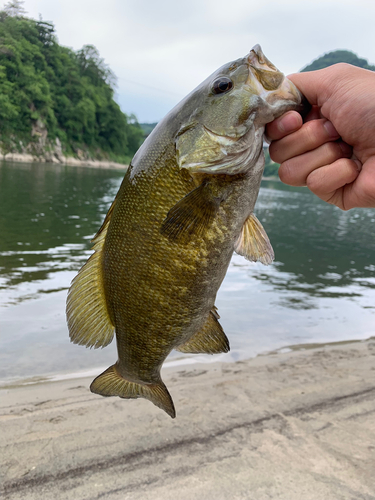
15, 8
69, 94
46, 32
93, 66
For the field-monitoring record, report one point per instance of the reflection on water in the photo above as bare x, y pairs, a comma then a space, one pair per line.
321, 287
48, 214
320, 250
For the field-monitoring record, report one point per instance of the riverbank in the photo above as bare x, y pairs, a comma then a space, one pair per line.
75, 162
63, 160
281, 426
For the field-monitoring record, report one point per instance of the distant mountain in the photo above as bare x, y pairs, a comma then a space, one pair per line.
338, 56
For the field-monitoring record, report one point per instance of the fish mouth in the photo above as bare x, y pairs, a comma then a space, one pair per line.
277, 86
223, 140
256, 57
264, 71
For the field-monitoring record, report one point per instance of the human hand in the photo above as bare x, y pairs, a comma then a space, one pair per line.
333, 150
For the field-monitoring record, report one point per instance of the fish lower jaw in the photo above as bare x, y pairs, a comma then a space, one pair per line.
233, 163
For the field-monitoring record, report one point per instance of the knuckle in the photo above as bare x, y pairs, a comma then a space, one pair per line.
344, 208
341, 67
337, 199
314, 182
335, 71
311, 131
349, 167
287, 174
332, 152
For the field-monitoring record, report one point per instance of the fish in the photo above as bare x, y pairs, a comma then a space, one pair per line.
185, 205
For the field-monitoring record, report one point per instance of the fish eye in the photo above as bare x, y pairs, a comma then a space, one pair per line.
222, 85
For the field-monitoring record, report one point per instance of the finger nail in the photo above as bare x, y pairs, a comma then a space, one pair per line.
359, 165
332, 132
289, 122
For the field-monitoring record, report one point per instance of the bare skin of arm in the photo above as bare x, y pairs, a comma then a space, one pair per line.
332, 151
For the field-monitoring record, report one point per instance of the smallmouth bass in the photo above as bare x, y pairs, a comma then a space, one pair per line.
185, 204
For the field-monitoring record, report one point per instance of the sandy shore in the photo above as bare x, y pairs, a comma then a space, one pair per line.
65, 160
299, 425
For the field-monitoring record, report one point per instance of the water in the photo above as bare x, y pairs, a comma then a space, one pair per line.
320, 289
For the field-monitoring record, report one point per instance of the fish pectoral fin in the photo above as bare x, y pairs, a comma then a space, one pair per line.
210, 340
87, 314
190, 216
111, 383
253, 242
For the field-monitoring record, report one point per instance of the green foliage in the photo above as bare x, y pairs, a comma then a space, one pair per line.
338, 56
70, 93
147, 128
271, 168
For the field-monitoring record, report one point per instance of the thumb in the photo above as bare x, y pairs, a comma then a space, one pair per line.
316, 86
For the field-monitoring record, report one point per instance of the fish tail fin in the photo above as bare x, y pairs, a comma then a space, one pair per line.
111, 383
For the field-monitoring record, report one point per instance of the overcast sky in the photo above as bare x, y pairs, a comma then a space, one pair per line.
160, 50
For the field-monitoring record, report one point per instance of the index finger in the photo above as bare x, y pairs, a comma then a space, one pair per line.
284, 125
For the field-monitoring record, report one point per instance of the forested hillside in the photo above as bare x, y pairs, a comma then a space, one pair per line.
55, 101
53, 98
338, 56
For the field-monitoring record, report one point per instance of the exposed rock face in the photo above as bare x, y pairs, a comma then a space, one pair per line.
58, 150
39, 132
39, 149
42, 149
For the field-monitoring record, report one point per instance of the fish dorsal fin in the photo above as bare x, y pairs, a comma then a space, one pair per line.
87, 314
253, 242
211, 339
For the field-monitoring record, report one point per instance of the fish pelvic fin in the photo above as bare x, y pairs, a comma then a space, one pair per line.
211, 339
253, 242
87, 314
192, 215
111, 383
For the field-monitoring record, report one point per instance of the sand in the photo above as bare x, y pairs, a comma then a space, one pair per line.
64, 160
291, 426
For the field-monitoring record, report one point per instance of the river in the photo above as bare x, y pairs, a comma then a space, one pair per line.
320, 289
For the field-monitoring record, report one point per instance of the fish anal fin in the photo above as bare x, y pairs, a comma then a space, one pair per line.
211, 339
192, 215
253, 242
111, 383
87, 314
